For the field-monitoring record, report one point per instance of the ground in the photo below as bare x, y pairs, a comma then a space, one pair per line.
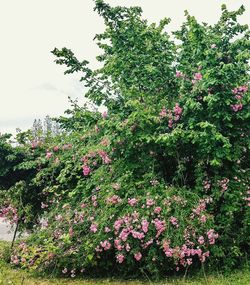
12, 276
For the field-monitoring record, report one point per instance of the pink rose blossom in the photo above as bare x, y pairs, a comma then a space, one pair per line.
138, 256
163, 113
86, 170
49, 155
197, 76
93, 228
150, 202
201, 240
120, 258
179, 74
145, 225
132, 201
157, 210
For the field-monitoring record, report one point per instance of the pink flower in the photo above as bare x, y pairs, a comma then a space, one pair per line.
203, 218
157, 210
238, 97
86, 170
114, 199
49, 155
104, 114
213, 46
117, 224
138, 256
105, 244
150, 202
117, 244
197, 76
124, 234
201, 240
104, 157
132, 202
59, 218
128, 247
120, 258
178, 74
107, 230
174, 221
236, 107
177, 109
163, 113
145, 224
212, 236
93, 228
137, 235
160, 226
43, 206
14, 260
56, 148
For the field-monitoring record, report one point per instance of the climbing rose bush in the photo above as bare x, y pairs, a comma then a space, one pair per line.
159, 180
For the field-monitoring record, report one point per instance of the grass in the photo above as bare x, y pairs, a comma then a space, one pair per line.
10, 276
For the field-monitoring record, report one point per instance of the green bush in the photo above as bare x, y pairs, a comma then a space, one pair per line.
159, 181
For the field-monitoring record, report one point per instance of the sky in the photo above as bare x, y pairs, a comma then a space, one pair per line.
31, 84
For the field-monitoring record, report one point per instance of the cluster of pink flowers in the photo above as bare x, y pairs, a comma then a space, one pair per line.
106, 245
86, 170
35, 144
160, 226
177, 112
178, 74
184, 254
201, 207
201, 240
239, 93
115, 199
138, 256
67, 146
132, 201
93, 228
14, 259
173, 116
237, 107
223, 184
197, 77
206, 185
105, 114
163, 113
120, 258
212, 236
85, 159
49, 154
240, 90
9, 213
145, 225
157, 210
104, 157
150, 202
174, 221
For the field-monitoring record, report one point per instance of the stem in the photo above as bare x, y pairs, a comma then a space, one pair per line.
204, 273
185, 274
14, 237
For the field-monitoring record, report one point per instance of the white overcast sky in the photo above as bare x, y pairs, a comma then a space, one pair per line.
31, 84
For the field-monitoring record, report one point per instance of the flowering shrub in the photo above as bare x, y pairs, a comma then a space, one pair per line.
159, 180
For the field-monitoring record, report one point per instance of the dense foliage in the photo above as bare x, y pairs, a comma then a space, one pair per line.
158, 181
